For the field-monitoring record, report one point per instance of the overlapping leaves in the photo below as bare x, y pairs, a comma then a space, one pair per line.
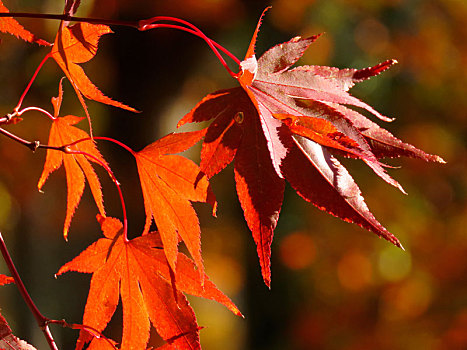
78, 44
137, 271
285, 123
282, 123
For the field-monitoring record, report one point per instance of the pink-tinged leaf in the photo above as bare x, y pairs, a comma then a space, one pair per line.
305, 85
300, 120
281, 57
358, 149
323, 181
348, 77
71, 6
271, 127
382, 142
367, 73
8, 341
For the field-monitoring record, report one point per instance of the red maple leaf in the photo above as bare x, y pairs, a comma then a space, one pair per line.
11, 26
285, 123
77, 166
137, 271
8, 340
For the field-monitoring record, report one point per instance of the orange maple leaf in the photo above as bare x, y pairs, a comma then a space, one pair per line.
11, 26
169, 182
101, 343
78, 44
137, 271
6, 280
77, 166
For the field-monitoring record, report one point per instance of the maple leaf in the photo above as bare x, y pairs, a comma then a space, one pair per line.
77, 166
284, 123
137, 271
8, 340
78, 44
169, 182
11, 26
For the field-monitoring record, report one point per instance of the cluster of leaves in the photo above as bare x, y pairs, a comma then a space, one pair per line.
278, 120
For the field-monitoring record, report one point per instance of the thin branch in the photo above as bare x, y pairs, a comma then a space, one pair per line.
21, 99
141, 25
41, 320
109, 171
32, 145
28, 109
65, 17
91, 330
188, 27
200, 34
121, 144
145, 22
67, 150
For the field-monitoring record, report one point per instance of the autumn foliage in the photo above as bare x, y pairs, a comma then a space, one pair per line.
279, 119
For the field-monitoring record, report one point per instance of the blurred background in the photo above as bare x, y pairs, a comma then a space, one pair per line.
334, 285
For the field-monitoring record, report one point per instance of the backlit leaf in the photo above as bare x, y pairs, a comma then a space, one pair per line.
78, 44
169, 182
11, 26
137, 272
294, 122
77, 166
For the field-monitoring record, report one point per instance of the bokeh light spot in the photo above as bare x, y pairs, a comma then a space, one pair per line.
394, 264
297, 251
354, 271
409, 299
226, 272
372, 36
5, 205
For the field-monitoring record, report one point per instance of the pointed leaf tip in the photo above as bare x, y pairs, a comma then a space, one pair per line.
251, 48
366, 73
299, 115
138, 273
75, 45
78, 168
